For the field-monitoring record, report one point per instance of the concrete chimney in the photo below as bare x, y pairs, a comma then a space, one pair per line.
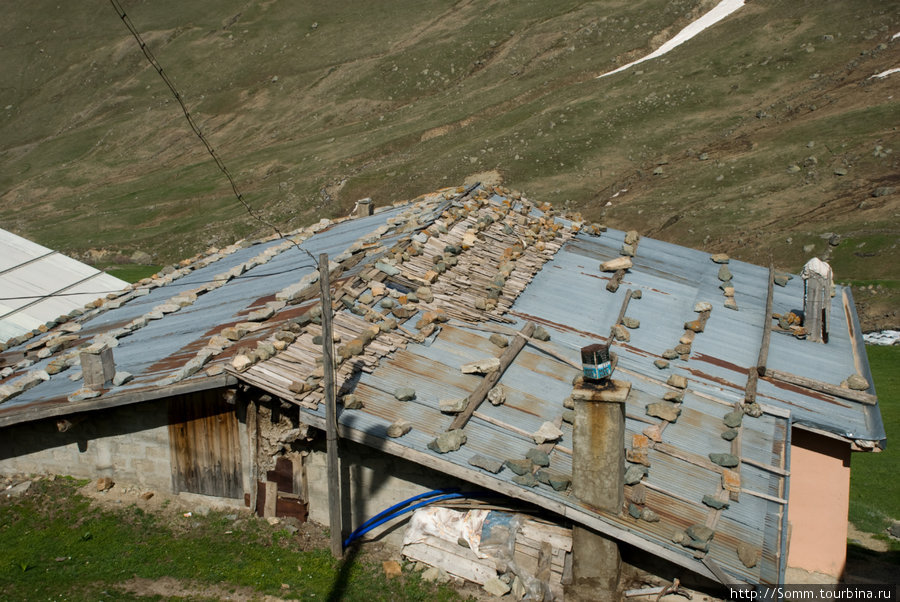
363, 207
817, 287
598, 472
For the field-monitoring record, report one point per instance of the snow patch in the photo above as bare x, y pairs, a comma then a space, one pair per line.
721, 10
884, 74
885, 337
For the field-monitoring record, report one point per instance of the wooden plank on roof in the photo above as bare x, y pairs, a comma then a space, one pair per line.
767, 324
479, 394
822, 387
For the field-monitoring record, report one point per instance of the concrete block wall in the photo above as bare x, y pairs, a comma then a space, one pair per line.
129, 443
371, 481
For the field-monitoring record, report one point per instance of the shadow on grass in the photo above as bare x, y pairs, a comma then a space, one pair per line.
872, 566
342, 580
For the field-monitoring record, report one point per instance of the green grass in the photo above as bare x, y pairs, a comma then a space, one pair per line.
874, 486
298, 96
54, 545
133, 273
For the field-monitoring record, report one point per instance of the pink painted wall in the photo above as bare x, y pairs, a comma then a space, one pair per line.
819, 501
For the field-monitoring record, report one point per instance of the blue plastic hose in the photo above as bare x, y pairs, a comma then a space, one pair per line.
395, 507
403, 507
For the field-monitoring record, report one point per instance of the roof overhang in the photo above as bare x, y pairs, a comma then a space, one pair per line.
58, 408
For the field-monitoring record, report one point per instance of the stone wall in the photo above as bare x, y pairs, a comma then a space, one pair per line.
129, 443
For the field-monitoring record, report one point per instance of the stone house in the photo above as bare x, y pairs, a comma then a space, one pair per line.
207, 380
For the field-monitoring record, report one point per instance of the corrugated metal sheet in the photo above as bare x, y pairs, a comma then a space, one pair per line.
536, 385
163, 346
30, 272
672, 279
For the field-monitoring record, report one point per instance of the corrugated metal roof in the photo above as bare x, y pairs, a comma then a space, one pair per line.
159, 349
536, 385
494, 266
39, 285
672, 279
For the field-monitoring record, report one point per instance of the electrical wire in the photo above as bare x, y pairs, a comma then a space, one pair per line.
148, 54
171, 284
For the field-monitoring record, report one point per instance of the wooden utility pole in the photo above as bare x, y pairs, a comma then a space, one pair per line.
331, 434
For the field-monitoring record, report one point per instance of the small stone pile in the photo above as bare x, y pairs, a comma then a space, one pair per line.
725, 277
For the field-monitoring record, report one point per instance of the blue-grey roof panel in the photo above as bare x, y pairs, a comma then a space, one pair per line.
569, 295
148, 352
535, 396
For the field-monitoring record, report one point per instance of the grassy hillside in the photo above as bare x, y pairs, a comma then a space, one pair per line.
765, 134
874, 491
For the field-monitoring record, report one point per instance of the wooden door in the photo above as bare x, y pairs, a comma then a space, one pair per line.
205, 445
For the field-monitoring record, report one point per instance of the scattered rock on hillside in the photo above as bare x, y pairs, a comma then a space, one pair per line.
391, 569
894, 530
141, 257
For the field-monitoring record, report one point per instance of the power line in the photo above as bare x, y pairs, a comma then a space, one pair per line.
196, 129
148, 54
242, 277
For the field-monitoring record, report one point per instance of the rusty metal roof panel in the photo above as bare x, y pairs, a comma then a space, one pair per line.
568, 297
743, 521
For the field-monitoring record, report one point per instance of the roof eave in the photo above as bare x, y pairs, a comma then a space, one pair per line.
117, 400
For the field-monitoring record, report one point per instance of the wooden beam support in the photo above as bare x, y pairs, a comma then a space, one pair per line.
855, 341
253, 436
331, 432
624, 307
716, 570
767, 323
271, 499
821, 387
490, 380
612, 329
737, 443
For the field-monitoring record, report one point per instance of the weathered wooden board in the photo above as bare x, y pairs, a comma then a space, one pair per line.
204, 445
452, 558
